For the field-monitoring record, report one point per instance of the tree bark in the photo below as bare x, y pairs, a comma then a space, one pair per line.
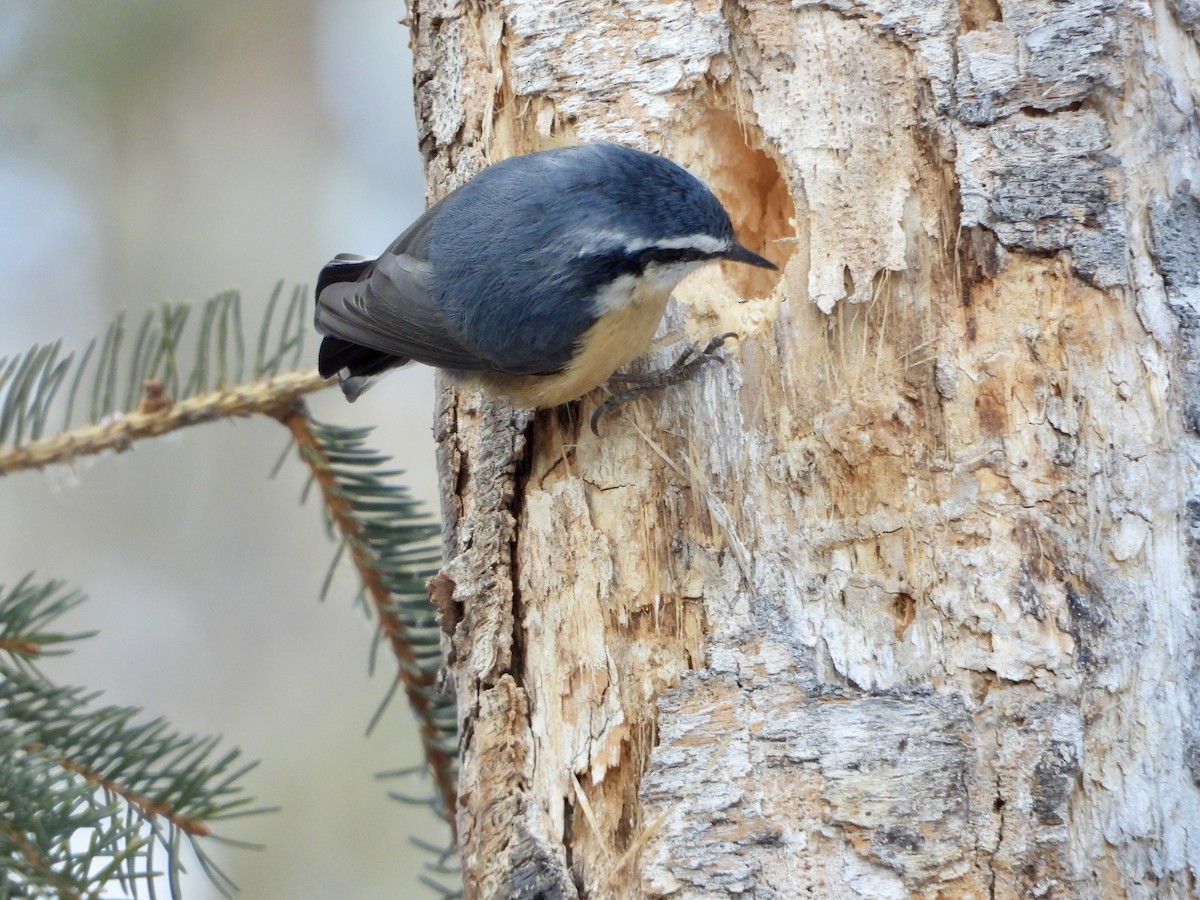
900, 600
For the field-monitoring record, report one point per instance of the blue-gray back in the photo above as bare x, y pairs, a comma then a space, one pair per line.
517, 254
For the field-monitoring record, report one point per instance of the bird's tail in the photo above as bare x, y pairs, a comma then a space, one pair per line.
356, 367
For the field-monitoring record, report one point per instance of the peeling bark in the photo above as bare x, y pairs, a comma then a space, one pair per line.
900, 600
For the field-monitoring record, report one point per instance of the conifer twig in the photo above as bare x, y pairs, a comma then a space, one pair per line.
418, 681
159, 416
148, 807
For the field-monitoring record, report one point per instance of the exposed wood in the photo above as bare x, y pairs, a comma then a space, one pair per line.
901, 599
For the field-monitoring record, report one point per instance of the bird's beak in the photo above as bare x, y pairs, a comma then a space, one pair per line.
738, 253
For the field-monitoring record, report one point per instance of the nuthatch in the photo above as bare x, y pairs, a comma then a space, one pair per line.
537, 279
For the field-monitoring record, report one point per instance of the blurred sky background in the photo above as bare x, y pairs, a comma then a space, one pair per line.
157, 150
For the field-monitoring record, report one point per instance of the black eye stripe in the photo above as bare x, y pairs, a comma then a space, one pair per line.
662, 254
604, 267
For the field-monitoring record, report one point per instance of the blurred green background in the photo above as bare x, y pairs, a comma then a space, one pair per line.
166, 150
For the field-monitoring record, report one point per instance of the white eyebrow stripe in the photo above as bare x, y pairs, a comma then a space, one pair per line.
705, 243
610, 240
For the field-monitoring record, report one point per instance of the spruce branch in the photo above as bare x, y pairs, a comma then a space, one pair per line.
26, 611
138, 382
86, 791
164, 774
392, 551
42, 813
160, 385
266, 397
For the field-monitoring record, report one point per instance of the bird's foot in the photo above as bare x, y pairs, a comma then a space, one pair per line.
684, 368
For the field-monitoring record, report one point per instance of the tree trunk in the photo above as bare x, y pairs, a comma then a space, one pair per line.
901, 599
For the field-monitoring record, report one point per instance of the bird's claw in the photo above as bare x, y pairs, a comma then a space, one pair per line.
689, 362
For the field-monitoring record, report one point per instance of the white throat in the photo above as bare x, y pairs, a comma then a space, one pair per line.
658, 278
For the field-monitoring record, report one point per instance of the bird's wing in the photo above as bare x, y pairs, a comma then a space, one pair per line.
390, 308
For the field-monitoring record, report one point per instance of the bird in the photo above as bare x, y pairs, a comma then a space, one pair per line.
536, 280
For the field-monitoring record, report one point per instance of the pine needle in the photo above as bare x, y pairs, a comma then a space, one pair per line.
85, 790
393, 545
146, 379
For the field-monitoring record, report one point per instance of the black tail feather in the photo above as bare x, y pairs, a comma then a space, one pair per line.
336, 355
354, 364
343, 267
